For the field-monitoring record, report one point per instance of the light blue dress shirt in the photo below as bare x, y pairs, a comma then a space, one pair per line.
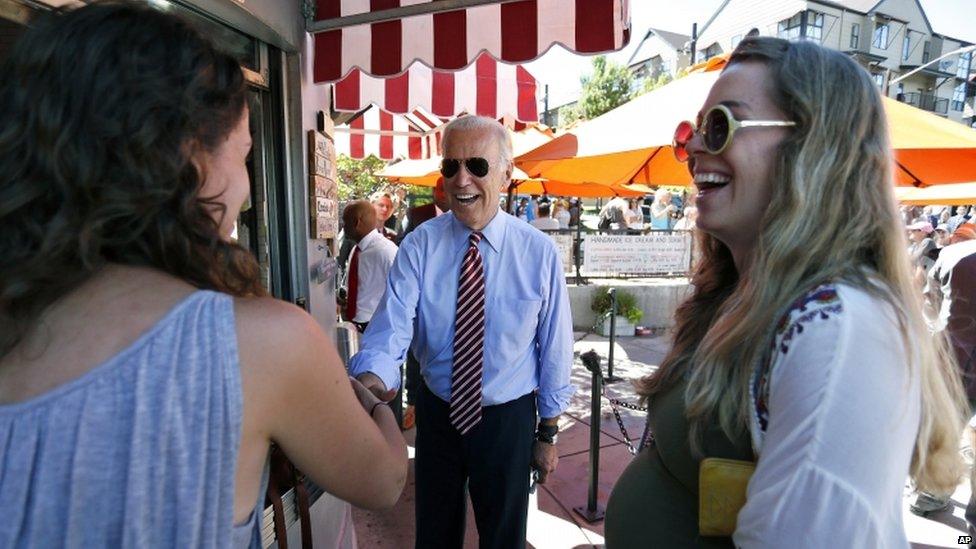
528, 323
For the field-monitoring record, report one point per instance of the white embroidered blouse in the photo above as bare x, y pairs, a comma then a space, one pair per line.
836, 416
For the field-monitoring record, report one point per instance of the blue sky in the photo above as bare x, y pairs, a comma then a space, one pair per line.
562, 70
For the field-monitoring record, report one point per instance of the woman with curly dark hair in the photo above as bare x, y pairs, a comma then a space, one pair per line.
143, 370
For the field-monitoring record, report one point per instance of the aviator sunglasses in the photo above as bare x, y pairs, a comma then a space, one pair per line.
718, 125
477, 167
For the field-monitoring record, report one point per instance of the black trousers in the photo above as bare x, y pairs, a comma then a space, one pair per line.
492, 461
414, 381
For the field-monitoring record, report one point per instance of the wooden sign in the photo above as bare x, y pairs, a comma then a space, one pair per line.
323, 193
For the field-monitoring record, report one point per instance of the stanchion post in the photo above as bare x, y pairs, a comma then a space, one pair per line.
508, 201
578, 249
613, 335
593, 511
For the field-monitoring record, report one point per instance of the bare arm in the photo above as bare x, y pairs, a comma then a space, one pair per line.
297, 393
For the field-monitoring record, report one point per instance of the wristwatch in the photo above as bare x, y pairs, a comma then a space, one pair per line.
547, 433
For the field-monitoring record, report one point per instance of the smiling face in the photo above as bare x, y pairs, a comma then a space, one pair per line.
225, 177
474, 200
384, 208
735, 187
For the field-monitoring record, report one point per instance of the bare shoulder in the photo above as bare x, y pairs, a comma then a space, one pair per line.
269, 327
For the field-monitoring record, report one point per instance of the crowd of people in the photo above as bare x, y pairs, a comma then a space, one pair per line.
662, 211
145, 373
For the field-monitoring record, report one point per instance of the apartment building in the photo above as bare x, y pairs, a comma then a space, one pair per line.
890, 38
660, 52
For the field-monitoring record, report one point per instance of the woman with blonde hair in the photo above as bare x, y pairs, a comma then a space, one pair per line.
801, 349
561, 213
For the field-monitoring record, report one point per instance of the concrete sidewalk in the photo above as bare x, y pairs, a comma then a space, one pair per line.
552, 522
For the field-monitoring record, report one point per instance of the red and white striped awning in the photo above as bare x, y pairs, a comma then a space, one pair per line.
384, 37
386, 135
486, 87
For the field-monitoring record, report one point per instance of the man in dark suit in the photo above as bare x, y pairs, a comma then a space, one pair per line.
416, 216
426, 212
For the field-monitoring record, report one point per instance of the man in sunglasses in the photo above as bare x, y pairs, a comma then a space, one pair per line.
483, 299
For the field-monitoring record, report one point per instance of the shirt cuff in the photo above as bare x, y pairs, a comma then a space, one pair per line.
367, 361
553, 403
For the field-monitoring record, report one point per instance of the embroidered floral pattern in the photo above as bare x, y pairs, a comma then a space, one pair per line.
820, 303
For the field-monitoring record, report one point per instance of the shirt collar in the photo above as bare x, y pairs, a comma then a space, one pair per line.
368, 240
493, 233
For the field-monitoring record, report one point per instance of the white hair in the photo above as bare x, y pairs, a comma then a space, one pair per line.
384, 192
468, 123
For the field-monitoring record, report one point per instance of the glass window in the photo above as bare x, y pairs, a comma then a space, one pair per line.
959, 97
242, 47
878, 79
790, 28
926, 51
712, 51
965, 62
855, 36
880, 36
815, 23
906, 47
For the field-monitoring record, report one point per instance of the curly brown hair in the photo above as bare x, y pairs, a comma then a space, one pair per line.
103, 108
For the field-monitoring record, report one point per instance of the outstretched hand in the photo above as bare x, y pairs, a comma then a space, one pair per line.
375, 385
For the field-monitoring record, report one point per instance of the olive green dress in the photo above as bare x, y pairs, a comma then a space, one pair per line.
655, 501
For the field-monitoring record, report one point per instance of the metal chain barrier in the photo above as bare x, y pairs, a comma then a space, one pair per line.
590, 359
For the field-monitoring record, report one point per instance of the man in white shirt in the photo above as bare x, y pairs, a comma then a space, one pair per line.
369, 263
544, 222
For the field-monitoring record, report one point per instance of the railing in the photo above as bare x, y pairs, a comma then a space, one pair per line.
926, 101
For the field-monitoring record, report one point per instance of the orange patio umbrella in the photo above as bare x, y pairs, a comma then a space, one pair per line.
425, 173
952, 194
632, 143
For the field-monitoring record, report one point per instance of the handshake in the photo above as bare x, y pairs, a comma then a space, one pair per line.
371, 391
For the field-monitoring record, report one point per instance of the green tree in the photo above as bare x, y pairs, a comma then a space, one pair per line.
569, 115
357, 178
610, 86
649, 84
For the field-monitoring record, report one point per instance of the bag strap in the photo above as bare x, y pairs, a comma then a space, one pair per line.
282, 477
303, 505
278, 508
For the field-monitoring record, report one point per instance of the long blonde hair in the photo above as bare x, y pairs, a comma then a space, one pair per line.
833, 180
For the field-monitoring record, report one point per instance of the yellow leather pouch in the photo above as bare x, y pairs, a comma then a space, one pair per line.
721, 494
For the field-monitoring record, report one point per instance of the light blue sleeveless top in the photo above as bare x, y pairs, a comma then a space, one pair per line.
140, 451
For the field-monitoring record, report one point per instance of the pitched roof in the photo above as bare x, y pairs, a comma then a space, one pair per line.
673, 39
862, 6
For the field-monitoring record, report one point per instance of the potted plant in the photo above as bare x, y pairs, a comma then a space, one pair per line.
628, 313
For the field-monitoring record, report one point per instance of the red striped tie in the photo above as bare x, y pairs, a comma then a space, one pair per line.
469, 339
352, 285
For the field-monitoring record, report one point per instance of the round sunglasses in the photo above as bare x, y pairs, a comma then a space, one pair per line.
718, 125
476, 166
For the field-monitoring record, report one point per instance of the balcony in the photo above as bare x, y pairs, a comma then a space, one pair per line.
926, 101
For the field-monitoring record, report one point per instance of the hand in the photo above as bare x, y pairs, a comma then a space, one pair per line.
365, 396
376, 386
544, 459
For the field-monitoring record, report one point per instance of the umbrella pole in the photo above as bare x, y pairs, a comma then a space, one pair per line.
508, 201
